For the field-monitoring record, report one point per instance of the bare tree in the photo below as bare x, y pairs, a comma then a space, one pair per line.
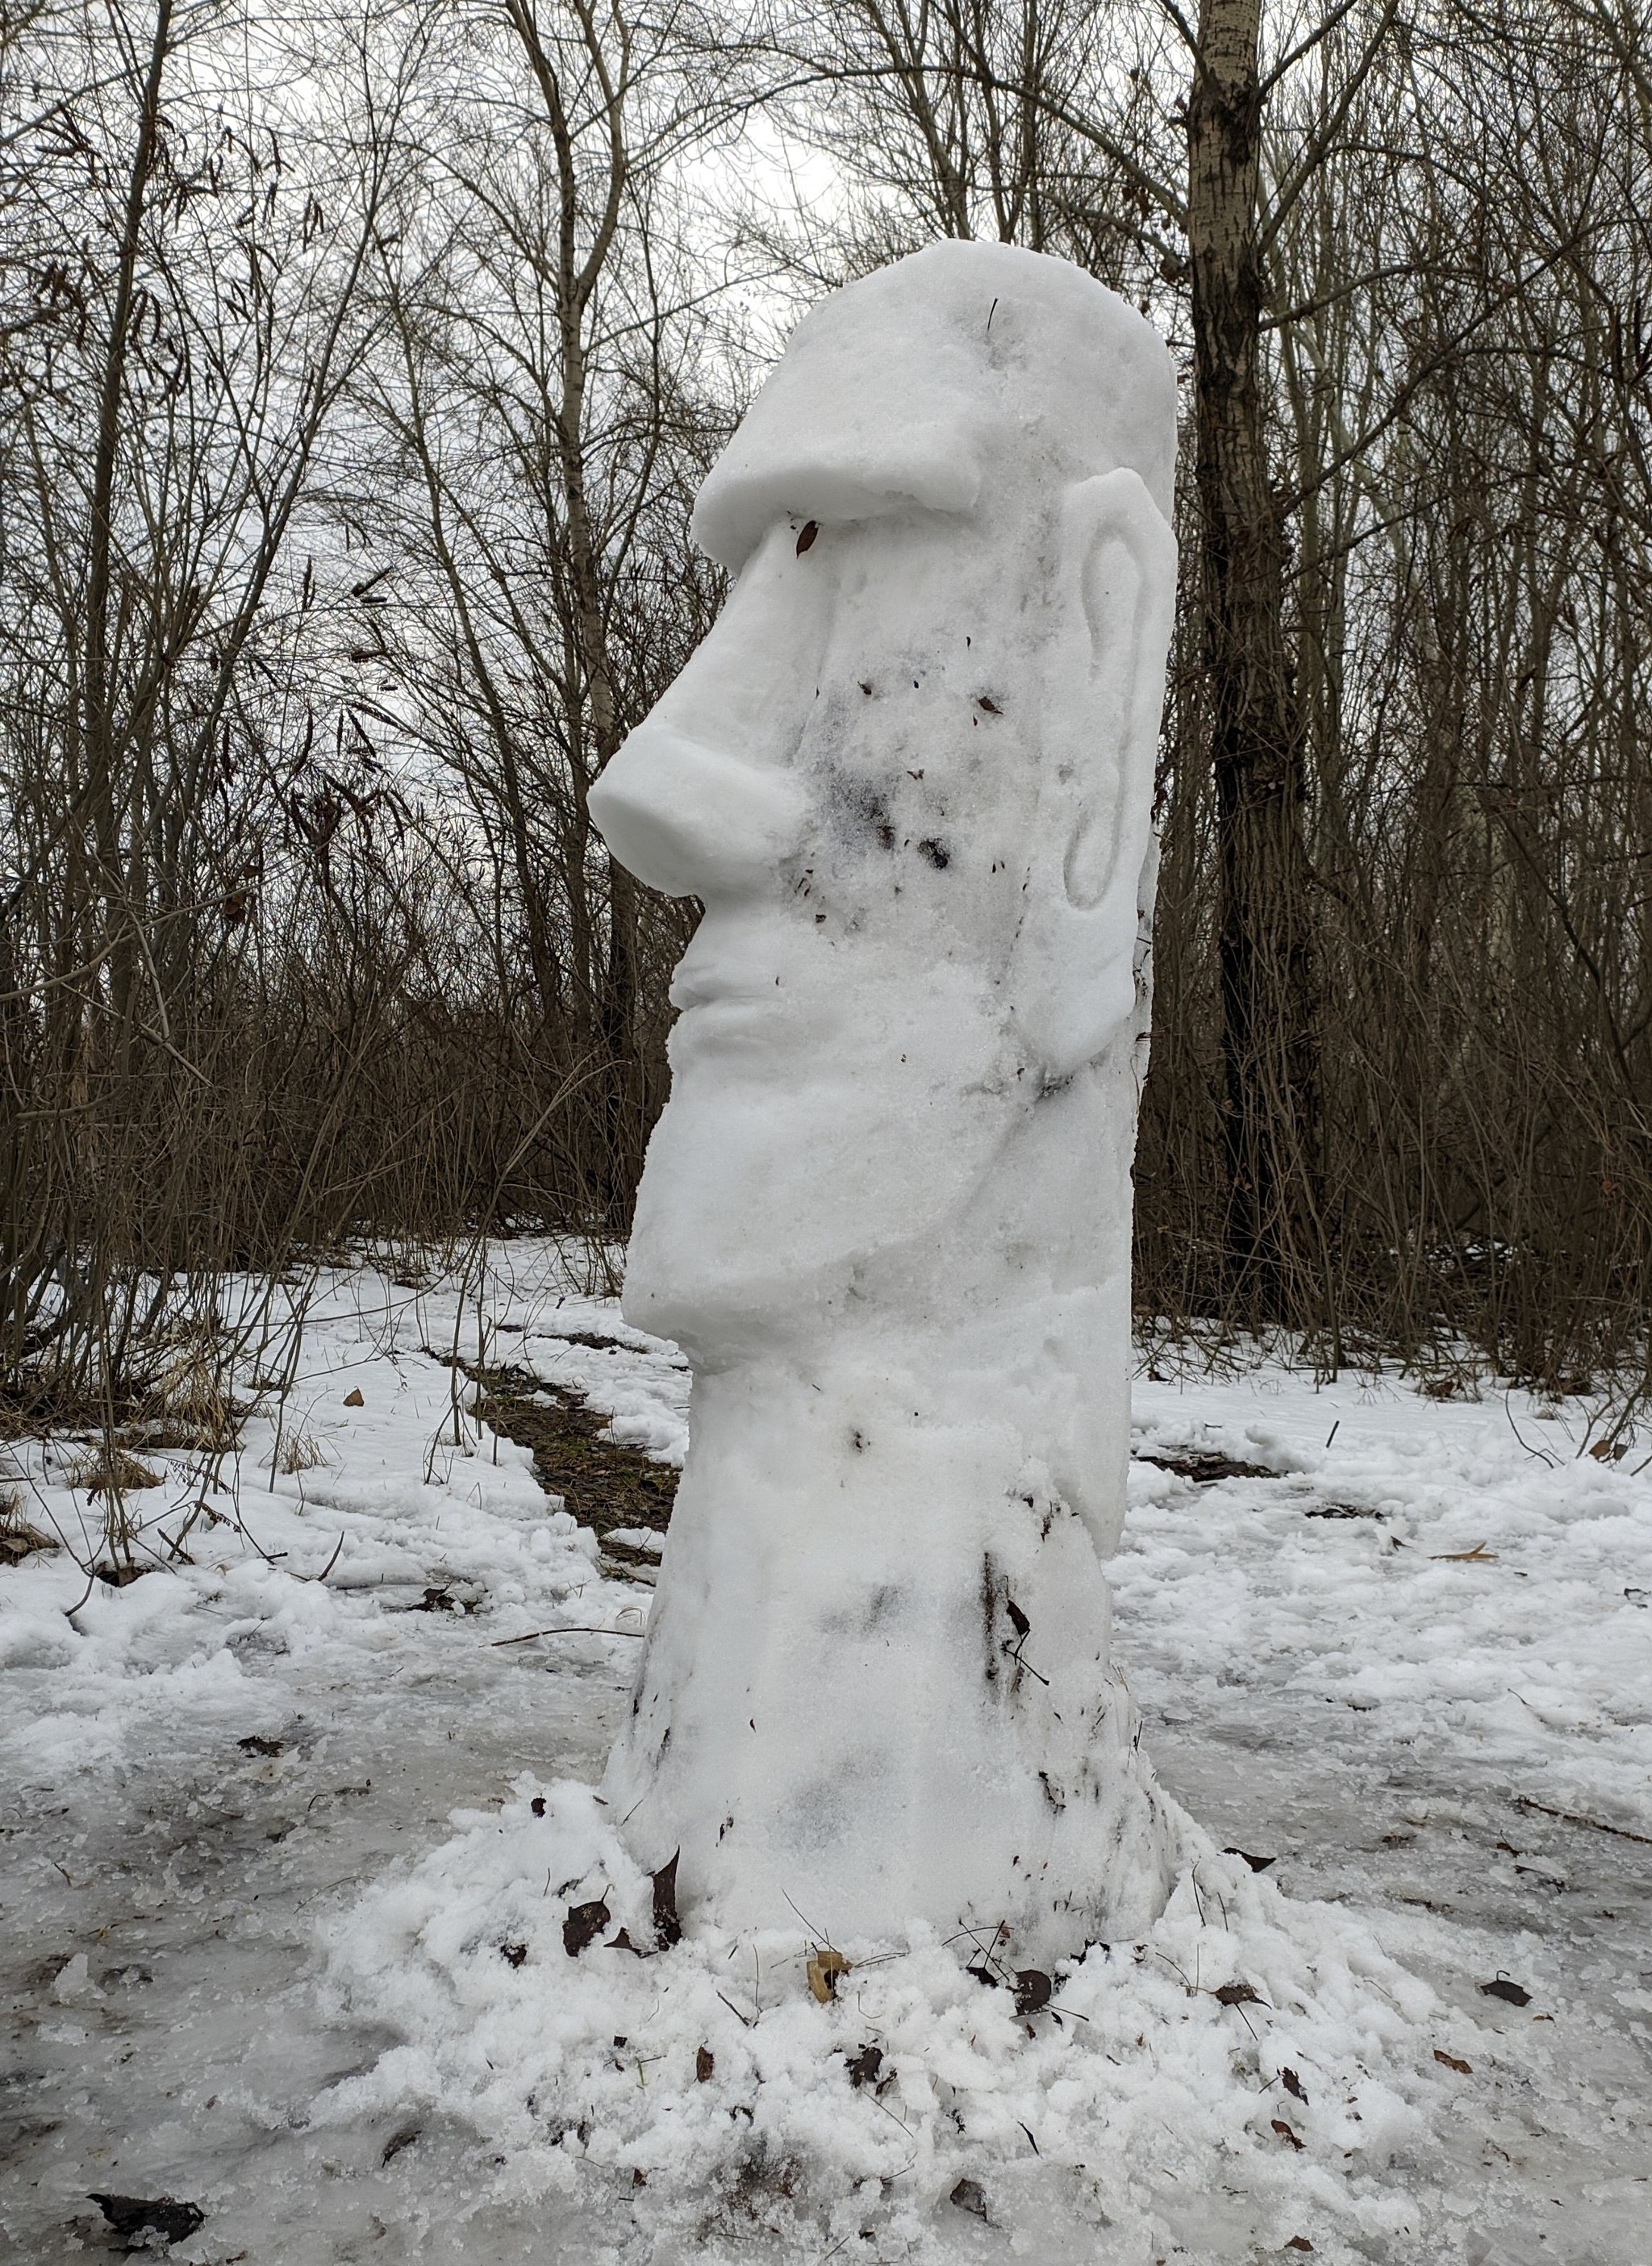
1402, 271
545, 410
184, 276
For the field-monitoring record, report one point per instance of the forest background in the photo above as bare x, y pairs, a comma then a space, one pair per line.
358, 365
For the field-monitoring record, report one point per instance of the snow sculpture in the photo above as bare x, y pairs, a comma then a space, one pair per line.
887, 1209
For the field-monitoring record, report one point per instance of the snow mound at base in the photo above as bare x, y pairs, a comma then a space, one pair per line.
704, 2093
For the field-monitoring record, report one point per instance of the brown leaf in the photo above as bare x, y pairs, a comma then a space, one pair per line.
806, 540
19, 1542
863, 2068
1298, 2242
1292, 2083
1238, 1994
825, 1966
1450, 2061
1257, 1864
583, 1925
513, 1954
668, 1927
1478, 1556
704, 2064
969, 2197
354, 1400
1285, 2133
988, 705
138, 2216
623, 1942
1033, 1988
1502, 1988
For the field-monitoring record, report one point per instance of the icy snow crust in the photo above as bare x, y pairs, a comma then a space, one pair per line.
269, 1977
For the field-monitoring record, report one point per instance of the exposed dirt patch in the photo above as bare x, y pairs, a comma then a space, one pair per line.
605, 1484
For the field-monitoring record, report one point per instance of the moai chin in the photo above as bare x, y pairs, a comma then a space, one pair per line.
886, 1210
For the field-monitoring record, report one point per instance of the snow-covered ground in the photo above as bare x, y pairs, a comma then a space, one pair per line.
291, 1834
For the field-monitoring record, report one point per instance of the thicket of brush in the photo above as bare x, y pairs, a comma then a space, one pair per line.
357, 373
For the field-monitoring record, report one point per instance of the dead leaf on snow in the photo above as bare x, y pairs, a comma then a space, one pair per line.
668, 1927
1033, 1988
825, 1965
19, 1541
583, 1925
1257, 1864
138, 2216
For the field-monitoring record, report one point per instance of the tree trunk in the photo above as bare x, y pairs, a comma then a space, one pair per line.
595, 733
1268, 1017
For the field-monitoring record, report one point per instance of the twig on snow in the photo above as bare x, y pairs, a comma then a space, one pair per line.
1573, 1817
496, 1642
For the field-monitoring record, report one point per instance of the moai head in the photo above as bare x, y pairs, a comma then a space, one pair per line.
909, 776
886, 1211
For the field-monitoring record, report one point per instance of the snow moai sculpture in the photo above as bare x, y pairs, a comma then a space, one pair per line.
887, 1209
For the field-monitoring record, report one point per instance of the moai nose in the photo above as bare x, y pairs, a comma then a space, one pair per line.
693, 822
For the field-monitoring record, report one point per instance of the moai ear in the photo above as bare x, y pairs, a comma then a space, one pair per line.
1073, 978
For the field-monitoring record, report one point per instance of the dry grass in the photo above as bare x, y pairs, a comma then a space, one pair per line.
111, 1471
18, 1539
301, 1452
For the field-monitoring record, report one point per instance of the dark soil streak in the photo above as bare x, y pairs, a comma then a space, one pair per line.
604, 1484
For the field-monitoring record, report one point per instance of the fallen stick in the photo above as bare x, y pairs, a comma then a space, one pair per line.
496, 1642
1572, 1818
